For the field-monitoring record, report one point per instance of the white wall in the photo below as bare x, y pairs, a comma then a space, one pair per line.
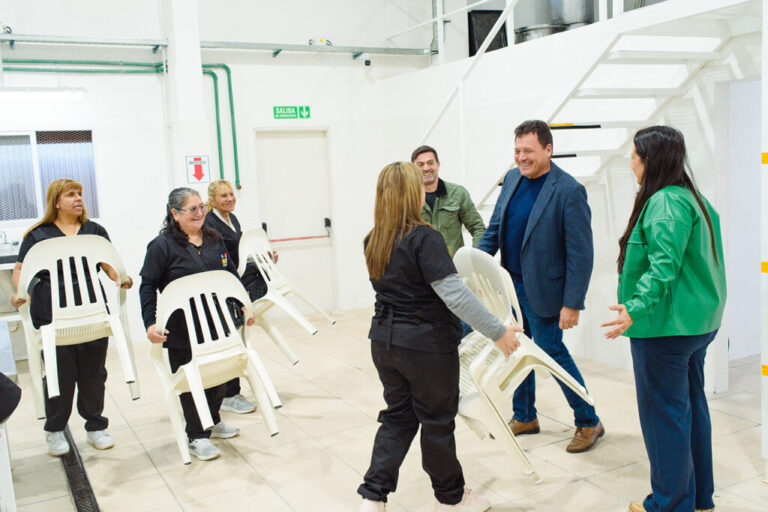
373, 116
742, 148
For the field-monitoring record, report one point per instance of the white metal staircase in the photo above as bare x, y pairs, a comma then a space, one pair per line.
631, 84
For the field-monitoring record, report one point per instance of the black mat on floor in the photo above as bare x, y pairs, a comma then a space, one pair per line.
79, 485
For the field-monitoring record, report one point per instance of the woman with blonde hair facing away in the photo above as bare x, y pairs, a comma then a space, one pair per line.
80, 365
414, 336
221, 218
672, 295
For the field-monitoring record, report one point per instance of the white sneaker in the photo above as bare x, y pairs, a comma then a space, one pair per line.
237, 404
372, 506
471, 502
100, 439
203, 449
224, 431
57, 443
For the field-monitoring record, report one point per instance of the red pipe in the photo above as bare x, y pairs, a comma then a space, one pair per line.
298, 238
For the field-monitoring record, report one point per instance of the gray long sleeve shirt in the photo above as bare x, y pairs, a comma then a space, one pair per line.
465, 305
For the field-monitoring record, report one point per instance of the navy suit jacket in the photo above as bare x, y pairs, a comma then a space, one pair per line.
557, 249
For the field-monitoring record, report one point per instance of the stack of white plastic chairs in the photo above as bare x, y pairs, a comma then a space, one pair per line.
254, 246
488, 379
218, 352
83, 318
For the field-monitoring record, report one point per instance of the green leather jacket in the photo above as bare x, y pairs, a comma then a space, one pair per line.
671, 284
454, 207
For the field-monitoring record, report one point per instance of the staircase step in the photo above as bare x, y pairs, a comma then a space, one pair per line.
627, 92
659, 57
631, 124
590, 152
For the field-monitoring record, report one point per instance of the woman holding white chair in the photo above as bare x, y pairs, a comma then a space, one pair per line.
185, 246
221, 218
81, 365
414, 336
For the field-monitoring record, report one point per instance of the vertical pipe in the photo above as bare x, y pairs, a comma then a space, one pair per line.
440, 23
618, 8
764, 240
510, 26
602, 10
462, 136
231, 117
218, 117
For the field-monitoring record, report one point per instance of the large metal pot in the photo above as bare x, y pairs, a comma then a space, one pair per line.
524, 34
573, 13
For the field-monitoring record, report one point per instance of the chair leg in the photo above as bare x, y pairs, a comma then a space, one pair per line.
255, 365
36, 376
48, 334
277, 337
538, 359
258, 389
195, 383
125, 353
501, 431
309, 302
289, 308
174, 410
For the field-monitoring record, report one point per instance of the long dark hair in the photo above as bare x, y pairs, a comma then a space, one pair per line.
176, 202
662, 150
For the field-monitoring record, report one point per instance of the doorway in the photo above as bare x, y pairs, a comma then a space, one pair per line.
294, 197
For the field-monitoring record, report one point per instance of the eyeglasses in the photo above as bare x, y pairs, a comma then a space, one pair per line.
203, 208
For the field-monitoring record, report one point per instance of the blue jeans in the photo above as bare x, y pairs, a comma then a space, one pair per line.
674, 417
547, 334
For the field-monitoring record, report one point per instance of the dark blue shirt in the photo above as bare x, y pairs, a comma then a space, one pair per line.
516, 220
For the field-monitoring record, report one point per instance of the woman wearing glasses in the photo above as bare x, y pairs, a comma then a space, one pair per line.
221, 218
672, 295
80, 365
185, 246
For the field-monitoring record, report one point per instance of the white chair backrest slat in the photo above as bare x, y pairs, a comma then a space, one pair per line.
492, 284
200, 289
80, 255
254, 244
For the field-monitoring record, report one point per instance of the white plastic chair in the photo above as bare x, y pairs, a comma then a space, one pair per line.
495, 377
73, 324
214, 361
254, 245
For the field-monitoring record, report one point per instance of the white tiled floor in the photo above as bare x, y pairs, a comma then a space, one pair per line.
331, 400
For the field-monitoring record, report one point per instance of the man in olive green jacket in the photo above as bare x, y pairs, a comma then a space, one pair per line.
447, 205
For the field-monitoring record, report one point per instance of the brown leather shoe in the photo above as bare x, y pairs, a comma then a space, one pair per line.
636, 506
519, 428
585, 438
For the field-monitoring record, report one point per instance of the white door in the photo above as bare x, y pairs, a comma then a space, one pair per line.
294, 194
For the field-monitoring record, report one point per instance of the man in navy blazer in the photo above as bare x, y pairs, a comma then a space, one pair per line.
541, 223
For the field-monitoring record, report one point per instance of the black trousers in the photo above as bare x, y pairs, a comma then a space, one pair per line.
420, 388
81, 365
214, 396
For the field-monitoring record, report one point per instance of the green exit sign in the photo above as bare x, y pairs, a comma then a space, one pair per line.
291, 112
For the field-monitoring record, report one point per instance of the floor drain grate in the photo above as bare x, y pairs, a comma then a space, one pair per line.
79, 486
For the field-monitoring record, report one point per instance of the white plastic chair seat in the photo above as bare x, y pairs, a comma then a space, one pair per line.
254, 246
488, 379
74, 324
214, 360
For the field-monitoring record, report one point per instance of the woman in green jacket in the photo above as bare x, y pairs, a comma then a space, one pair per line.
671, 294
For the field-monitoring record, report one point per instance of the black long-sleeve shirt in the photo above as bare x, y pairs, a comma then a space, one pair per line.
168, 260
251, 278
